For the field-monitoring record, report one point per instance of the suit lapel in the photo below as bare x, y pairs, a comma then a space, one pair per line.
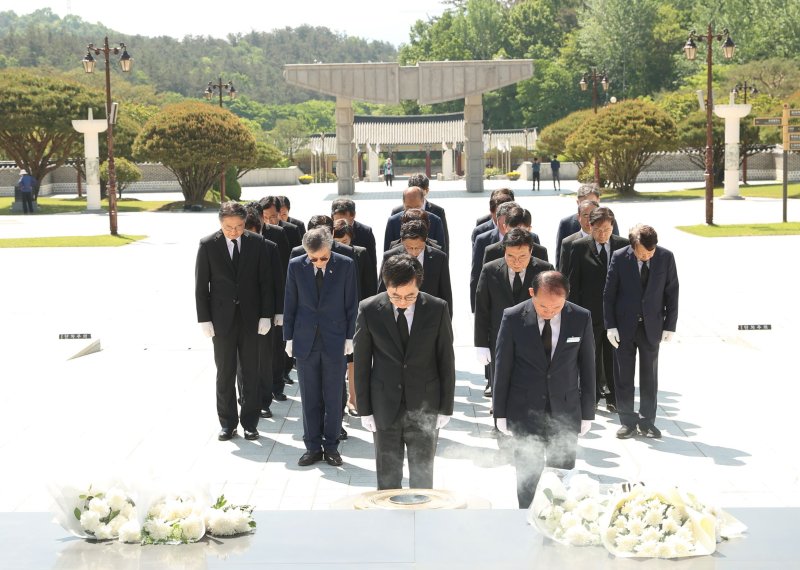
386, 310
420, 313
566, 319
502, 276
222, 247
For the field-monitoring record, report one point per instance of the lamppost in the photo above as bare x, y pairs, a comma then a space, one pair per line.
744, 89
594, 77
690, 49
125, 62
209, 93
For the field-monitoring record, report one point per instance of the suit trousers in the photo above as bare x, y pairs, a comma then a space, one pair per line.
321, 379
237, 345
278, 361
604, 365
27, 202
265, 344
412, 431
648, 378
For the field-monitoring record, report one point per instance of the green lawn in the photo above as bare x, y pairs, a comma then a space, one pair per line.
70, 241
63, 205
760, 191
737, 230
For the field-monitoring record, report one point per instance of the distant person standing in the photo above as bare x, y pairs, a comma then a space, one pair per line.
26, 184
537, 171
555, 167
388, 172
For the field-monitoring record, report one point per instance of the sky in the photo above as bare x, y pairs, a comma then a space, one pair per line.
371, 19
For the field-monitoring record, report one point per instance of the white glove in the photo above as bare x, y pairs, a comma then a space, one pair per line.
278, 320
483, 355
666, 336
207, 328
613, 337
368, 423
288, 348
264, 324
586, 425
442, 421
502, 425
348, 346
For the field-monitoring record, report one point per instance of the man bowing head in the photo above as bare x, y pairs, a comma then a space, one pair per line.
544, 385
405, 373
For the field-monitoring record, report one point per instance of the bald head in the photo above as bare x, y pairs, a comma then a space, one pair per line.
413, 197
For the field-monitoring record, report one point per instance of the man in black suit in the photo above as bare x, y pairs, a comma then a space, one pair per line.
421, 181
436, 269
345, 209
405, 373
318, 326
640, 305
585, 209
544, 380
414, 198
571, 224
235, 303
286, 206
412, 215
503, 283
516, 218
486, 223
270, 211
587, 279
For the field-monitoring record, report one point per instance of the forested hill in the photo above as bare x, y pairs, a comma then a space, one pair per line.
252, 61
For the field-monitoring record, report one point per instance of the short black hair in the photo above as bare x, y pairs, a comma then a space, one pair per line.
400, 270
499, 197
516, 216
254, 205
601, 215
321, 220
270, 202
644, 235
587, 189
231, 208
552, 281
504, 208
518, 237
253, 221
416, 214
586, 203
341, 228
285, 201
414, 229
419, 180
343, 206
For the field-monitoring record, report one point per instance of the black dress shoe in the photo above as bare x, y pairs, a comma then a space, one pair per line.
487, 391
279, 397
310, 458
611, 407
342, 435
266, 413
226, 434
626, 432
333, 458
251, 435
287, 379
651, 431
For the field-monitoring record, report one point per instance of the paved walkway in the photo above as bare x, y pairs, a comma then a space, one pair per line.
144, 406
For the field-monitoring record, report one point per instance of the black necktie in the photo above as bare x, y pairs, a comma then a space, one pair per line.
235, 257
547, 339
402, 327
516, 290
318, 279
603, 255
645, 275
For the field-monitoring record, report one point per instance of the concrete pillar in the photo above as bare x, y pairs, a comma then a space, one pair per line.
447, 163
526, 170
91, 129
473, 133
428, 162
374, 171
732, 114
344, 146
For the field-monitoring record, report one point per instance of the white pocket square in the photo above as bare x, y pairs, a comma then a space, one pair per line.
574, 339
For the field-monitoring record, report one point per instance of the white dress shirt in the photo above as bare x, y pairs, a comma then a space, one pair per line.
409, 315
555, 327
512, 273
421, 257
230, 245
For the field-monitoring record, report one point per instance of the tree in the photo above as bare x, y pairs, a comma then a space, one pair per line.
267, 156
37, 112
126, 172
194, 141
553, 138
625, 137
289, 135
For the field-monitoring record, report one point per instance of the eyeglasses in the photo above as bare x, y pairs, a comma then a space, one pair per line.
408, 298
315, 259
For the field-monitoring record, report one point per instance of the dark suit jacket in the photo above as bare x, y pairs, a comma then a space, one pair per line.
566, 251
483, 219
300, 225
496, 251
292, 233
429, 242
367, 277
278, 274
347, 251
624, 301
334, 314
485, 226
363, 237
436, 230
277, 235
437, 274
524, 382
432, 208
424, 376
587, 276
568, 226
478, 248
494, 295
218, 290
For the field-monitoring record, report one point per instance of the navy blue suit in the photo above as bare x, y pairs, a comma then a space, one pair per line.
436, 231
478, 249
640, 316
568, 226
318, 327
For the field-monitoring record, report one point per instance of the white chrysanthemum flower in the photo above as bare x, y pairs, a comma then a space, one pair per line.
570, 504
90, 520
242, 521
568, 520
651, 534
670, 526
635, 526
638, 511
685, 533
626, 508
611, 534
680, 546
558, 512
545, 513
678, 514
104, 532
99, 506
627, 542
175, 509
116, 499
158, 529
653, 517
128, 511
220, 523
193, 528
579, 536
665, 550
116, 523
551, 481
648, 548
130, 532
620, 523
588, 510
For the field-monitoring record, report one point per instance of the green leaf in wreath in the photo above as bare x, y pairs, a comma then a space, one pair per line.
82, 497
77, 513
252, 524
549, 494
221, 502
112, 516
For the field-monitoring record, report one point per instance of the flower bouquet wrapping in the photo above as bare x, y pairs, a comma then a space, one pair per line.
97, 511
175, 518
223, 519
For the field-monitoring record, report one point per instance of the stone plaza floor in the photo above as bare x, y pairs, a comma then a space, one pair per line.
144, 405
